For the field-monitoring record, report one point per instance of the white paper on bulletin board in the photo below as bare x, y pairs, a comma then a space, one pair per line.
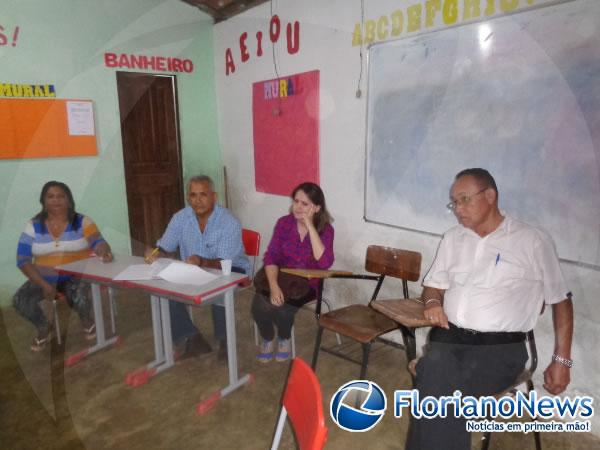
518, 95
80, 118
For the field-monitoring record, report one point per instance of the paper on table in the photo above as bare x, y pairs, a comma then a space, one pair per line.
144, 271
179, 272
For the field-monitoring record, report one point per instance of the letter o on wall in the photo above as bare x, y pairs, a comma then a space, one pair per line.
274, 28
188, 66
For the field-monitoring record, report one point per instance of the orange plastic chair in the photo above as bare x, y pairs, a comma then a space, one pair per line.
303, 403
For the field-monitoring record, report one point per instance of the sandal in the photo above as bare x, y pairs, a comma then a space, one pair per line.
90, 332
265, 353
40, 341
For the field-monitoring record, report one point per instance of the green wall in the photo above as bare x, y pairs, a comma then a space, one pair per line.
62, 42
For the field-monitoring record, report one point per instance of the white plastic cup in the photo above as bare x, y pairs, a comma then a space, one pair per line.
226, 266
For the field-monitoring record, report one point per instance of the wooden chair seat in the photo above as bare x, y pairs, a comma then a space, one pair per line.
358, 322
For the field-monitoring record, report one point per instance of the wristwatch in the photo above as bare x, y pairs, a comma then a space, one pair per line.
564, 361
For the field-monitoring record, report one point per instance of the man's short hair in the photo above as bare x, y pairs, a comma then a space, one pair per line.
482, 176
202, 179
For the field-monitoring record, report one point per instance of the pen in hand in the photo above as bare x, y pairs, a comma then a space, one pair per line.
148, 258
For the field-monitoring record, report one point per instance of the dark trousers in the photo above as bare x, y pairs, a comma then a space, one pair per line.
182, 326
28, 297
454, 363
267, 316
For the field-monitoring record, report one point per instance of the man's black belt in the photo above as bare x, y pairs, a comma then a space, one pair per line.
457, 335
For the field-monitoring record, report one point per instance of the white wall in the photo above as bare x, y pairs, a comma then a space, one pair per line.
326, 29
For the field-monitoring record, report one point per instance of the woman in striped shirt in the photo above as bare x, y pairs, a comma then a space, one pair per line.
56, 235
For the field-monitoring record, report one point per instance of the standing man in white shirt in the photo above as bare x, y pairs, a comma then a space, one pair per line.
486, 288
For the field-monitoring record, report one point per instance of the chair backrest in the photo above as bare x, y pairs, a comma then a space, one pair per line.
304, 404
251, 240
394, 262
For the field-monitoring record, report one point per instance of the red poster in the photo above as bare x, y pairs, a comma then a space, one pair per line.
286, 132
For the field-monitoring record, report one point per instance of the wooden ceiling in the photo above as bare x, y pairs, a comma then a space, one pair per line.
224, 9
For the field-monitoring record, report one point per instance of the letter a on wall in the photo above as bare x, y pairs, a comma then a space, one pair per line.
286, 132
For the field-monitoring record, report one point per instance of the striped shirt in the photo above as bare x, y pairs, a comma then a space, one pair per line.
37, 246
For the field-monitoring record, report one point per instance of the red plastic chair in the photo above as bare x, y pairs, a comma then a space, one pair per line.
251, 240
303, 403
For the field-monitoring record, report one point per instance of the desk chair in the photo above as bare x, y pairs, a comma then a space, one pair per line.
361, 322
410, 315
303, 403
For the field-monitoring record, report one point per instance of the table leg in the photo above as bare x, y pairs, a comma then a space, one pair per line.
101, 341
234, 381
141, 376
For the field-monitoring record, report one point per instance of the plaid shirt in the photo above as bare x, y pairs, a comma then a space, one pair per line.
221, 239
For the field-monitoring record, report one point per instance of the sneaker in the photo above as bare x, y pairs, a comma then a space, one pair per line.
265, 353
283, 350
41, 340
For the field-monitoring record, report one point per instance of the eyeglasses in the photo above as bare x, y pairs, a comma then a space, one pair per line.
463, 200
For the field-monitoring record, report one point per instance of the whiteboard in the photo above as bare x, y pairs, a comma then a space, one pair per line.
519, 96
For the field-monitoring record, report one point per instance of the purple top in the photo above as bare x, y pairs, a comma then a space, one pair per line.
287, 250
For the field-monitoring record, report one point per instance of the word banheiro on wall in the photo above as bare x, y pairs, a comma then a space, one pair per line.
144, 62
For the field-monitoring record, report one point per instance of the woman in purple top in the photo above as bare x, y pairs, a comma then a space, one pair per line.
302, 239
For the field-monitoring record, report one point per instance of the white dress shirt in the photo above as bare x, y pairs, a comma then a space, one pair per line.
498, 282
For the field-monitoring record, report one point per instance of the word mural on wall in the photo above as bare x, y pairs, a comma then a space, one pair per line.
292, 35
27, 90
8, 37
433, 13
144, 62
284, 87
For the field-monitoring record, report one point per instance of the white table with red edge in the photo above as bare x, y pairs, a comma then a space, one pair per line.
97, 273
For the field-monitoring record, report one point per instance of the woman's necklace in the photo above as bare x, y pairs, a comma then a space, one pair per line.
56, 230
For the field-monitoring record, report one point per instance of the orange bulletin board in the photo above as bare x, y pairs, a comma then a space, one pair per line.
43, 128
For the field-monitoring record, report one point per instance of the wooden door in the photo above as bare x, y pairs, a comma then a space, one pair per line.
151, 154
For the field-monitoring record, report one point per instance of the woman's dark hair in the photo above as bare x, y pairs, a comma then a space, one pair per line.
43, 214
315, 194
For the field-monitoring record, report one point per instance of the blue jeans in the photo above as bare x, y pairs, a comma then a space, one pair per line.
182, 326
